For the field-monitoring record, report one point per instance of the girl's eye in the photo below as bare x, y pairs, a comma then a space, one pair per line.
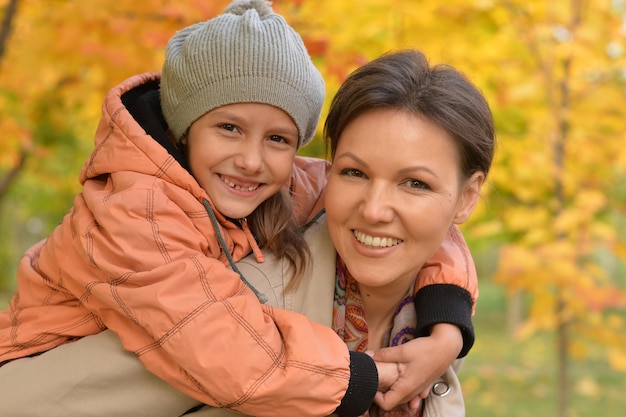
229, 127
277, 138
352, 172
416, 184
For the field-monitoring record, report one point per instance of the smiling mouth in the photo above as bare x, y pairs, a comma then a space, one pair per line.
239, 187
376, 242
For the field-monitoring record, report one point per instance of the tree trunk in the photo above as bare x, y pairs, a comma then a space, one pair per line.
562, 361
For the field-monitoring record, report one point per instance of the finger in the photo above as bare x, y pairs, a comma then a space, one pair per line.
390, 354
379, 398
390, 398
384, 401
414, 405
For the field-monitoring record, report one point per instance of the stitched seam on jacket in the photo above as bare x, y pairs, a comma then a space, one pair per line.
155, 226
112, 125
37, 340
164, 167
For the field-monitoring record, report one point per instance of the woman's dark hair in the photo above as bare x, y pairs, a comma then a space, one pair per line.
404, 80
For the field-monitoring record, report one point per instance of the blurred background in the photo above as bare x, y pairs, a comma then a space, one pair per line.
549, 236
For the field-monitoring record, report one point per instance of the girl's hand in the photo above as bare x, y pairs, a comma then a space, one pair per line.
388, 374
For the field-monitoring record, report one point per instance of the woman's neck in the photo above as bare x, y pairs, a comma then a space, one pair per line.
380, 305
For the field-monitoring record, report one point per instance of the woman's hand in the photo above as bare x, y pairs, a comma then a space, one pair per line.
418, 363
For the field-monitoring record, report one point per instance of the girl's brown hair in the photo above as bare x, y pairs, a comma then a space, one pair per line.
275, 227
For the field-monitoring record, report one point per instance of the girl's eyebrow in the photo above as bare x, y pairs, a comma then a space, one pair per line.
284, 130
235, 118
227, 113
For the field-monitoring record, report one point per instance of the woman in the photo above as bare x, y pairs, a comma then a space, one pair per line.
411, 146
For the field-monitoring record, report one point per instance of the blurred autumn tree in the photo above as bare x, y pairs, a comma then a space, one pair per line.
562, 102
554, 72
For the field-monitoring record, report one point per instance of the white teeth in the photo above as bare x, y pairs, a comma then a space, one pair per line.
239, 187
377, 242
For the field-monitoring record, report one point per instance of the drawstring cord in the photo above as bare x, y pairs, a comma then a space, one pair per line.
262, 297
258, 254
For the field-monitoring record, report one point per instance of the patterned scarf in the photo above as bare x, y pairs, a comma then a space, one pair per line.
350, 324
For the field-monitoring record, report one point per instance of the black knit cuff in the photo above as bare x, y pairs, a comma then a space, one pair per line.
362, 386
445, 303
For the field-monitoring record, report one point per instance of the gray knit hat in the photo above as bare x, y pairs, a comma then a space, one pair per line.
248, 54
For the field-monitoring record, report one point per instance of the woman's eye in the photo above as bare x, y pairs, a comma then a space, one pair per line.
416, 184
352, 172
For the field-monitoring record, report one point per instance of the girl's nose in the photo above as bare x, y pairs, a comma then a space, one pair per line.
249, 158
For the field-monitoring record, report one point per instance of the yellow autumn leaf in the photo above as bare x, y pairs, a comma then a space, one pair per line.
587, 386
620, 250
617, 359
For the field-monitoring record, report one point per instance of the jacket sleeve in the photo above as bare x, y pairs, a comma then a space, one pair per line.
308, 181
155, 281
447, 289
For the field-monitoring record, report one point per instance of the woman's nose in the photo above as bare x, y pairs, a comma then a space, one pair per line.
377, 205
